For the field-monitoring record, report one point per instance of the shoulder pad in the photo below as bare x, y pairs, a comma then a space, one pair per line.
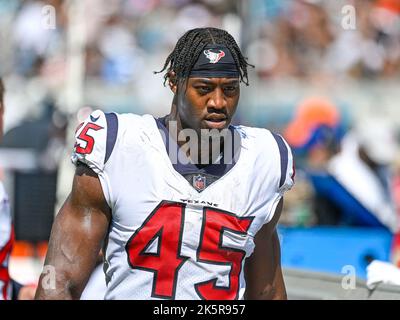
95, 139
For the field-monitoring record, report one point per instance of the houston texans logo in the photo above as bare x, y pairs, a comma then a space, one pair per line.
214, 57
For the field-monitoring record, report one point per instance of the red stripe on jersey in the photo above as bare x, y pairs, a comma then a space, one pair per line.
5, 278
4, 254
7, 248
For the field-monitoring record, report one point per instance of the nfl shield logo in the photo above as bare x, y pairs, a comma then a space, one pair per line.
199, 182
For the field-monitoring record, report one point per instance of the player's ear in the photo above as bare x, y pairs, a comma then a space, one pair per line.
172, 81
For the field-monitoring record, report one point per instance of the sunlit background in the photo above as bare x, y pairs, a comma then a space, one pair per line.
325, 72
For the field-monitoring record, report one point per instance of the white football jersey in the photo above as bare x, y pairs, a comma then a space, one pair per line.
166, 239
6, 242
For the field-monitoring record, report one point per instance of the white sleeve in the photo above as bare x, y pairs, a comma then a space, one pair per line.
95, 140
286, 165
90, 142
5, 218
6, 241
288, 173
284, 172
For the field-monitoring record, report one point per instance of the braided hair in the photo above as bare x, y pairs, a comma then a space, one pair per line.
188, 48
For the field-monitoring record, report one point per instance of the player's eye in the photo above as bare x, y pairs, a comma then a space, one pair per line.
203, 89
230, 89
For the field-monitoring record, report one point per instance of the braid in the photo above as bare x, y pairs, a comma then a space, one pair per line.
188, 48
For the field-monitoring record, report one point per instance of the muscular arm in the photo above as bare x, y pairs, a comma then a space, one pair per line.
76, 238
264, 279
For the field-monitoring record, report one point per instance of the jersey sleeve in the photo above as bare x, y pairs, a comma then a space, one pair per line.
287, 165
277, 172
6, 243
5, 219
284, 174
95, 139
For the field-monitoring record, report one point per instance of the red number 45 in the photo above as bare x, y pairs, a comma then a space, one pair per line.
166, 223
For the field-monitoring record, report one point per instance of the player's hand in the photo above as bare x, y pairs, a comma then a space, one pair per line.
27, 292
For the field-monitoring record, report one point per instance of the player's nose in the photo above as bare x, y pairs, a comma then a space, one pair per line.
217, 100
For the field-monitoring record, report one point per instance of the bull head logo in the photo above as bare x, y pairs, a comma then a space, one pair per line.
214, 57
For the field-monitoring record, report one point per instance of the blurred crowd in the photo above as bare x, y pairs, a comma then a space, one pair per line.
301, 38
322, 39
347, 176
126, 40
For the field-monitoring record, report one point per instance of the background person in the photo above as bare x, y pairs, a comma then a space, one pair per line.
9, 289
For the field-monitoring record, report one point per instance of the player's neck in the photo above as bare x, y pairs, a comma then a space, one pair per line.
197, 153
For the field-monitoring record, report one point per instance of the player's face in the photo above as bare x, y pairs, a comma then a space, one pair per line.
208, 103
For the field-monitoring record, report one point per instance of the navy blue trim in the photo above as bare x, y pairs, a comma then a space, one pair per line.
112, 132
16, 287
217, 170
284, 153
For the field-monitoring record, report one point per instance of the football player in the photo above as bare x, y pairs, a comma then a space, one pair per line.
9, 289
180, 216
